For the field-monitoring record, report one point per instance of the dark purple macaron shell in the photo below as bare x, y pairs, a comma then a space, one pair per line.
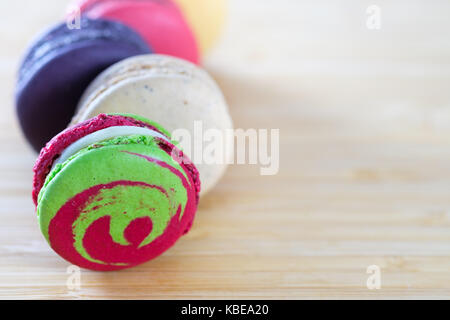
60, 65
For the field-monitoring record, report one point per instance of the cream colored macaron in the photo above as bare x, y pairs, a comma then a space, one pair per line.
176, 94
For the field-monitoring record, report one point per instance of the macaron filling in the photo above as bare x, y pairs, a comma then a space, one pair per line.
59, 143
146, 139
102, 135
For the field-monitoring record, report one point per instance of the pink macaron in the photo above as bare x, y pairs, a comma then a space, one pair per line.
160, 22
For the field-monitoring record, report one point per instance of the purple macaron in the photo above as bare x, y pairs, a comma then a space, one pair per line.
60, 65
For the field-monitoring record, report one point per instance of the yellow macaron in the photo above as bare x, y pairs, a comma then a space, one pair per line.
207, 18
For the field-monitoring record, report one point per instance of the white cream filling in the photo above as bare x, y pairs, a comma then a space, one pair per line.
102, 135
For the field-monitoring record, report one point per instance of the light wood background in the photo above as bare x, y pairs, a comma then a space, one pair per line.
365, 161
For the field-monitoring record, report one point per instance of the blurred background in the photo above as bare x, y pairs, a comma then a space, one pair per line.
363, 108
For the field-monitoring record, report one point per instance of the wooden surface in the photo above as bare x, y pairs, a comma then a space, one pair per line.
364, 118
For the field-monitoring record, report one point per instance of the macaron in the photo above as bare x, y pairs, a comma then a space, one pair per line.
175, 93
160, 22
206, 18
59, 66
113, 192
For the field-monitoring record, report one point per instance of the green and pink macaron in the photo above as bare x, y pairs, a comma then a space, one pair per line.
113, 192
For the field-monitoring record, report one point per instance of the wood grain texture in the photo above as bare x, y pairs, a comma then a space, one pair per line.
364, 119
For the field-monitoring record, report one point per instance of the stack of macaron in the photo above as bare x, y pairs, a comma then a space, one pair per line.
111, 187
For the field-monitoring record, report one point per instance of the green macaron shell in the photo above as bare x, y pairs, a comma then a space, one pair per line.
105, 162
145, 120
